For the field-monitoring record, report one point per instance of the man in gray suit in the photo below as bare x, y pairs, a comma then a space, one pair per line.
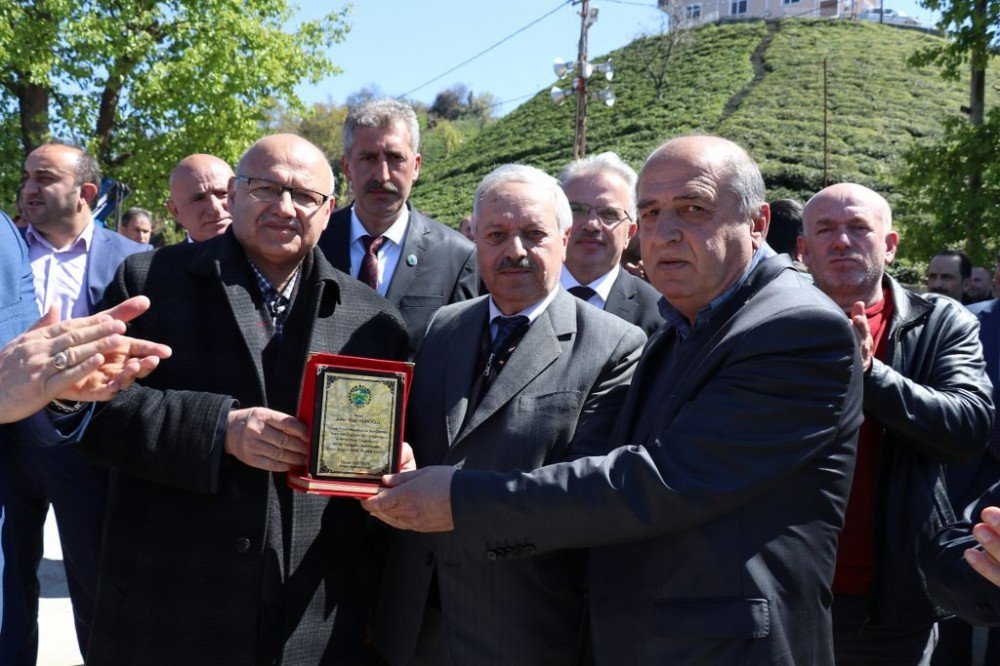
714, 522
601, 193
417, 263
548, 385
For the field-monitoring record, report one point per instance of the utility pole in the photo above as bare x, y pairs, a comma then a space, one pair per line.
580, 136
826, 152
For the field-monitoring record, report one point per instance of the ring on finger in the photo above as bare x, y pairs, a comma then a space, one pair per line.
60, 360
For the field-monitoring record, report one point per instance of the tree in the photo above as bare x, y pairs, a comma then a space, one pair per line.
142, 83
660, 49
323, 124
955, 177
940, 208
971, 26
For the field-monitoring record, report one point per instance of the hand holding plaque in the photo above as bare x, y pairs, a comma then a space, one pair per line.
354, 408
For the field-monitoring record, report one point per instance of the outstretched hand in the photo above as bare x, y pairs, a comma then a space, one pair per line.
418, 501
83, 359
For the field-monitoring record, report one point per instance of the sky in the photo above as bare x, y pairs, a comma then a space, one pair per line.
401, 45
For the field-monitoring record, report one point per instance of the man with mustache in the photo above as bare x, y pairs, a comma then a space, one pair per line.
948, 272
601, 193
418, 264
927, 401
523, 377
197, 200
712, 521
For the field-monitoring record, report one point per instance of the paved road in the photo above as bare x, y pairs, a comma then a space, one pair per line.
57, 635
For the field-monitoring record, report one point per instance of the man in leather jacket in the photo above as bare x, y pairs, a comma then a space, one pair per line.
927, 401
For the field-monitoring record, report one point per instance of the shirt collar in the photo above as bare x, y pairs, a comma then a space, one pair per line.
394, 233
601, 285
81, 242
531, 312
674, 318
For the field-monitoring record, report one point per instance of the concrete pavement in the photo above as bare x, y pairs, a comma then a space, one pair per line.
56, 632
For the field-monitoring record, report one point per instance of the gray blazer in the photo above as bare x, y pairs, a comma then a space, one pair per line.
442, 269
635, 301
714, 524
556, 399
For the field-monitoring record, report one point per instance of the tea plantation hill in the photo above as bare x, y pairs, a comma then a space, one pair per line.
758, 83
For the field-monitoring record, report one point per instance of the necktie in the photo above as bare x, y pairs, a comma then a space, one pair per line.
368, 272
507, 328
583, 293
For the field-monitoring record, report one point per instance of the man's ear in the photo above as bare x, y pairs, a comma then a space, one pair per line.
88, 192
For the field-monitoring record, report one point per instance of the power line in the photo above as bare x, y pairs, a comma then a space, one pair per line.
487, 49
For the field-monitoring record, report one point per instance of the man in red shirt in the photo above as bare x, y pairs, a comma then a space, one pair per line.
926, 402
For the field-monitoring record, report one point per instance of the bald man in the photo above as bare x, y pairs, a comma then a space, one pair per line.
198, 196
731, 457
927, 401
209, 557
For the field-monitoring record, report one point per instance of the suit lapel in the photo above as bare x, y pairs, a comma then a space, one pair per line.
225, 260
336, 240
464, 352
537, 350
621, 298
100, 268
698, 347
415, 243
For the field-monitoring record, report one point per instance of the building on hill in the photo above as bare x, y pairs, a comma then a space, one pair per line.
688, 13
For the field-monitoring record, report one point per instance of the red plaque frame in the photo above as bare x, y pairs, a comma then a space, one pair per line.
302, 478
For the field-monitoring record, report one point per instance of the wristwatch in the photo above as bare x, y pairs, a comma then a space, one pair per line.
65, 406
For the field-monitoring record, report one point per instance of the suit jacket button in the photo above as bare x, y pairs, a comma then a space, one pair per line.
529, 550
242, 545
491, 555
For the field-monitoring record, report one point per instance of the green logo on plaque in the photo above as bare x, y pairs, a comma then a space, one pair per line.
360, 395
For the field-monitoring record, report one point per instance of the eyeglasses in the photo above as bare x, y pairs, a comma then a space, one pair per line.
610, 216
268, 191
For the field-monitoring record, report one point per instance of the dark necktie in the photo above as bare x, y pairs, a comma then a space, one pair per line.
368, 272
507, 329
583, 293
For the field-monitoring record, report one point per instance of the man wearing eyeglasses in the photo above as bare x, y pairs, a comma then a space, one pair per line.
418, 264
208, 556
601, 193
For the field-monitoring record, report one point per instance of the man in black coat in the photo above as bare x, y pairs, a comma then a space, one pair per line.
418, 264
209, 558
601, 193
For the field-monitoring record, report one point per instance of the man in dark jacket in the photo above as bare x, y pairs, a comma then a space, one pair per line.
209, 557
926, 402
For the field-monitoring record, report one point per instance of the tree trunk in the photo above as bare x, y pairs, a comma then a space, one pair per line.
33, 104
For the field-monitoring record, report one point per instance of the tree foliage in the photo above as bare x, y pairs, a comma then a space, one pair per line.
941, 209
142, 83
971, 26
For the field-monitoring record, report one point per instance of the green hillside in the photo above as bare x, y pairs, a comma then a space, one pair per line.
758, 83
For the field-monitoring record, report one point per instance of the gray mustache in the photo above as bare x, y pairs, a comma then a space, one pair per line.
520, 264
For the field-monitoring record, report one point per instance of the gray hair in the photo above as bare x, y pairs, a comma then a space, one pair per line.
605, 162
381, 113
736, 169
521, 173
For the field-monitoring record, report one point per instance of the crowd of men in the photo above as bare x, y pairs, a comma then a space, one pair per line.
750, 445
